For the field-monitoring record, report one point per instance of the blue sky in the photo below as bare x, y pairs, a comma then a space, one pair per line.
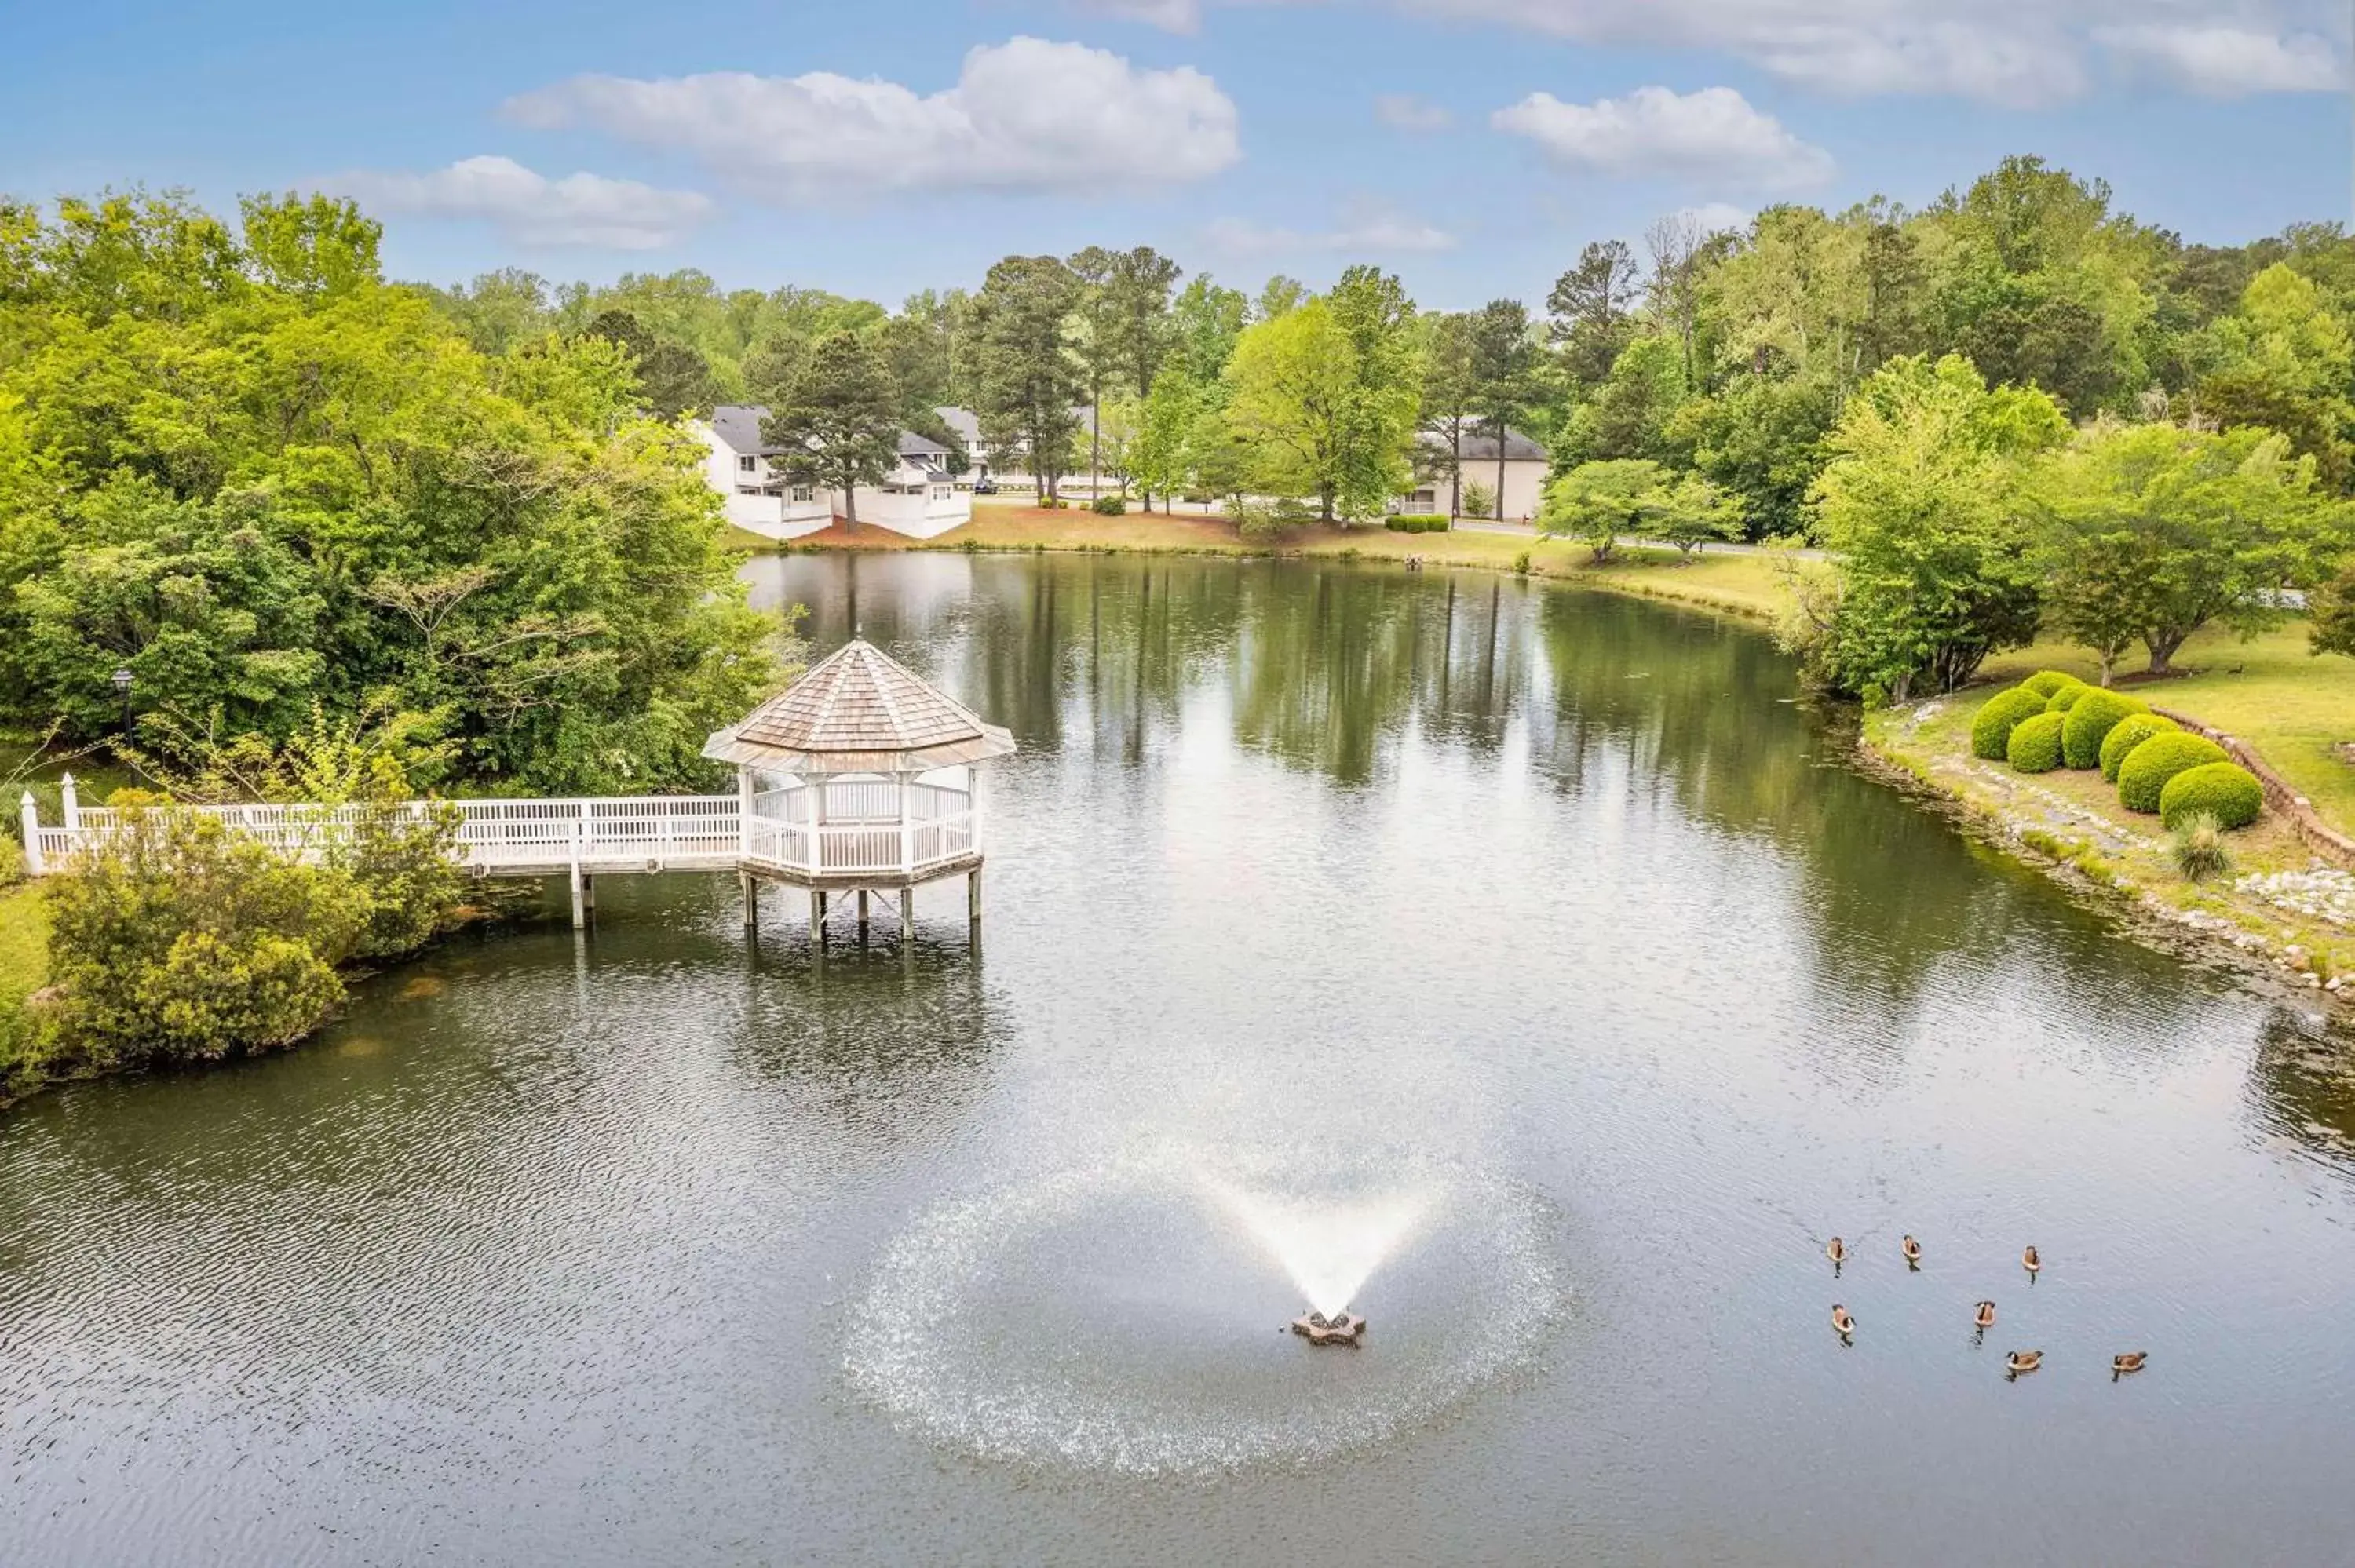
1472, 145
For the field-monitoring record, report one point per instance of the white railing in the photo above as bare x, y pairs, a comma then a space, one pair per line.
863, 833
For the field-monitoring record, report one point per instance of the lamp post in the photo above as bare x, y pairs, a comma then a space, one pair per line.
123, 690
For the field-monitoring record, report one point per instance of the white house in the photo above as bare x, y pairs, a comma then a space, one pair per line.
1522, 487
917, 498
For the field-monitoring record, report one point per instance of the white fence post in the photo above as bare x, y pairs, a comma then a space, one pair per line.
72, 803
907, 832
31, 816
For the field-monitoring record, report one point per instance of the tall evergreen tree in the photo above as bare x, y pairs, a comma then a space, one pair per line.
839, 427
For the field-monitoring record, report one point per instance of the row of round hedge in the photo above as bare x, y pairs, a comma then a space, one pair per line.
2052, 720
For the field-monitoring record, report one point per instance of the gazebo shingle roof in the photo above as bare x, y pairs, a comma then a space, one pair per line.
858, 710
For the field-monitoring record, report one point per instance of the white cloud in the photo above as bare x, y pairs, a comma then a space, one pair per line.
1405, 111
2228, 62
1024, 115
2016, 52
1711, 134
1169, 16
1712, 216
1363, 231
532, 209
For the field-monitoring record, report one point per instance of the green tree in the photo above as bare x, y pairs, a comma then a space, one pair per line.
1504, 373
1631, 414
1759, 441
839, 427
1291, 385
1373, 311
318, 246
1598, 502
2148, 532
1141, 281
1591, 307
1920, 506
1450, 397
1025, 378
1694, 513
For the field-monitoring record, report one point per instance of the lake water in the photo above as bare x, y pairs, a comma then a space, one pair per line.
1543, 937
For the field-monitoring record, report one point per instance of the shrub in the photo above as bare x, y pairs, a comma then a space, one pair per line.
1109, 506
1416, 522
2091, 719
2147, 768
2044, 682
1991, 727
12, 861
2225, 791
2127, 733
2067, 697
177, 939
2197, 848
2035, 743
1522, 564
1479, 500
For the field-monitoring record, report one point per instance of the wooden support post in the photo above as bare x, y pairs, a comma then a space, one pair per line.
862, 916
906, 917
589, 892
580, 912
751, 888
973, 900
817, 920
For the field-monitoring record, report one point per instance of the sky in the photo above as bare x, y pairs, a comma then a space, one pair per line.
874, 149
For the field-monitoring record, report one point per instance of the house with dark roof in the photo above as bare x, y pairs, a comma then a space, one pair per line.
1516, 477
918, 497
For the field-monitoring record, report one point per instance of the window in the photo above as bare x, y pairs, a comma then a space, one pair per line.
747, 465
805, 492
944, 492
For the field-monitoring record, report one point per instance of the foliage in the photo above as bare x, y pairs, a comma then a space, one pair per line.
2195, 845
1025, 378
2224, 792
2127, 733
2044, 682
2034, 745
1600, 501
1760, 442
2061, 701
1477, 499
1992, 725
1417, 522
1630, 415
1108, 506
838, 427
1918, 505
1323, 396
2090, 719
2149, 532
177, 939
2144, 773
1693, 513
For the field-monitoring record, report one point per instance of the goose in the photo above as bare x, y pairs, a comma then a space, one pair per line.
1837, 1250
1843, 1323
2028, 1260
1912, 1251
2127, 1361
1984, 1315
2022, 1361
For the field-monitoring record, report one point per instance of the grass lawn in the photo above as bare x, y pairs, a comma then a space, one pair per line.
2271, 693
24, 970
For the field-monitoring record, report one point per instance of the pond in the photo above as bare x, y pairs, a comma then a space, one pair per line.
1528, 967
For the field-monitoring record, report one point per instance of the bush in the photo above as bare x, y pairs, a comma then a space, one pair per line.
2147, 768
2067, 697
1416, 522
2044, 682
2127, 733
2225, 791
2035, 743
2091, 719
1522, 564
177, 939
1991, 727
12, 861
1109, 506
2197, 848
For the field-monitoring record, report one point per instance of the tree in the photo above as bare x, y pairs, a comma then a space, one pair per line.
1759, 441
1682, 251
1920, 507
1450, 397
839, 427
310, 247
1157, 457
1590, 305
1630, 415
1504, 365
1693, 512
2148, 533
1140, 285
1597, 502
1373, 311
1204, 324
1278, 296
1099, 342
1291, 383
1026, 378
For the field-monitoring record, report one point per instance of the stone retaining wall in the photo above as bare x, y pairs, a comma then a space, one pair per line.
2297, 810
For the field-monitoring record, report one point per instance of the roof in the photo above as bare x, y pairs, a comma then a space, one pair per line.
1481, 448
915, 445
738, 426
963, 421
858, 710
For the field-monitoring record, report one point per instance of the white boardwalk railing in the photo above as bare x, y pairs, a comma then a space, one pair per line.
861, 831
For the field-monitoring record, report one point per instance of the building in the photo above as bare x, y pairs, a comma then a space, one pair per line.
1522, 484
918, 497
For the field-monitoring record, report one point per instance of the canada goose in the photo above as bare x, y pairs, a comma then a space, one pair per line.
2022, 1361
1912, 1251
2127, 1361
1837, 1250
1984, 1315
2028, 1260
1842, 1322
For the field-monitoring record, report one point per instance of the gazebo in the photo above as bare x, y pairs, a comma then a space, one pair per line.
861, 777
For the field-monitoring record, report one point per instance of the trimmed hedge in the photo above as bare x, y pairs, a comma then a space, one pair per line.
1109, 506
2091, 719
2067, 697
1416, 522
2044, 682
2035, 744
1992, 725
2147, 768
2224, 790
2127, 733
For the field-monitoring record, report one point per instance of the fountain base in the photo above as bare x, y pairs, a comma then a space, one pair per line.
1341, 1328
